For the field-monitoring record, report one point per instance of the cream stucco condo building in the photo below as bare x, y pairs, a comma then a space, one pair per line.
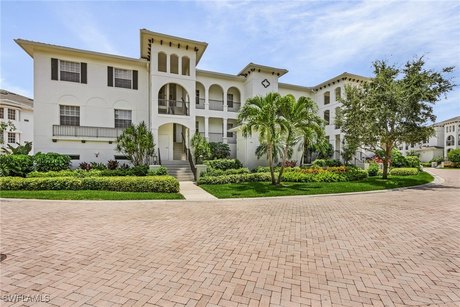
84, 99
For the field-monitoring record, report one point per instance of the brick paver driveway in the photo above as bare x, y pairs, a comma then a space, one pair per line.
393, 248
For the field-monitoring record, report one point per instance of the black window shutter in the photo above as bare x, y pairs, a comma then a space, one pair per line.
109, 75
54, 69
134, 79
84, 73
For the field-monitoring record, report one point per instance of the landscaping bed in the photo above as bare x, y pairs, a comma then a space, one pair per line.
266, 189
88, 195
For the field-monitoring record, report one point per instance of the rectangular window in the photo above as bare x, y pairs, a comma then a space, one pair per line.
197, 95
11, 137
69, 71
2, 113
11, 114
230, 100
2, 138
123, 78
74, 157
197, 127
123, 118
69, 115
229, 126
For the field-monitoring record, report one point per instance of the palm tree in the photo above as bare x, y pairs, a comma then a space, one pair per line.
303, 125
262, 115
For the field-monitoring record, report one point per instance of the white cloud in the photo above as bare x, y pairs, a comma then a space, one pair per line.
82, 22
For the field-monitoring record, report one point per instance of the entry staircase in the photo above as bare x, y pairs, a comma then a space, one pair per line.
179, 167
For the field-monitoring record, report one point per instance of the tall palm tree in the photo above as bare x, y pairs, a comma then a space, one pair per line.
262, 115
303, 125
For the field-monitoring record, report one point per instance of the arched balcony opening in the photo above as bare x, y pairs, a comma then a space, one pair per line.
173, 99
327, 117
450, 141
185, 66
173, 64
233, 99
327, 97
216, 98
162, 61
199, 96
338, 93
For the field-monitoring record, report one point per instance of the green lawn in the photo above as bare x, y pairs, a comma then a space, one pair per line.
265, 189
89, 195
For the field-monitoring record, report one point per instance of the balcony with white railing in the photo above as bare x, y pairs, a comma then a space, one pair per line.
216, 137
173, 107
199, 103
217, 105
86, 132
233, 106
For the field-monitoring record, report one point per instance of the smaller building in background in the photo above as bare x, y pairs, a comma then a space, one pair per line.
18, 110
446, 138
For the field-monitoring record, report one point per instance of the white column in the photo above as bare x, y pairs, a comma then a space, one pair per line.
225, 102
206, 127
179, 63
224, 126
206, 98
156, 142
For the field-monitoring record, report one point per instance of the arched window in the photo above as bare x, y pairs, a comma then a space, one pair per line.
450, 140
185, 66
162, 59
338, 93
458, 139
327, 97
173, 64
327, 116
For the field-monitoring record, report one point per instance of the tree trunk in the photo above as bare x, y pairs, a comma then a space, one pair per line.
270, 163
285, 152
386, 161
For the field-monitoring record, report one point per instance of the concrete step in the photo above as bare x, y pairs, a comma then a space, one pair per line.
179, 169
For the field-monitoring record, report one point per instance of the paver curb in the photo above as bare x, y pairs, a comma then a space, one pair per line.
437, 180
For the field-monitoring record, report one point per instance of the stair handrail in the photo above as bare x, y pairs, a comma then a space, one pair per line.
159, 157
189, 156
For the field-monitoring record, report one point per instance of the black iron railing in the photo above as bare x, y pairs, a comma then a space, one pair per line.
188, 154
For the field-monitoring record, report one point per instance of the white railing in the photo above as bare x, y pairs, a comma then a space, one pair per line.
86, 131
217, 105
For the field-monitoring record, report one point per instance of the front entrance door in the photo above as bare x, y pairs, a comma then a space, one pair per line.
163, 143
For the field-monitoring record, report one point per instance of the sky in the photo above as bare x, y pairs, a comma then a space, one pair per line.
314, 40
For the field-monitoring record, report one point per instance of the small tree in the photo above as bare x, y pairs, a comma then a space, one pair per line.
219, 150
136, 142
20, 149
392, 108
201, 149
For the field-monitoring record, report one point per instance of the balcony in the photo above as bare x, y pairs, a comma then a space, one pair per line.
217, 105
173, 107
233, 106
85, 131
199, 103
216, 137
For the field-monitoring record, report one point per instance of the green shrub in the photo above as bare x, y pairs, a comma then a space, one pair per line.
66, 173
236, 178
426, 164
333, 162
437, 159
373, 169
412, 161
51, 161
355, 174
219, 172
397, 159
219, 150
16, 165
160, 171
454, 155
98, 166
165, 184
404, 171
224, 164
319, 163
139, 170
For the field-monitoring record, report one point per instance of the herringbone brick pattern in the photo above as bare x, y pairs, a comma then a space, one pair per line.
383, 249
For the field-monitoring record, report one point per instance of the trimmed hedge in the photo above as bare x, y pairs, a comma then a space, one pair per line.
135, 171
165, 184
219, 172
237, 178
160, 171
404, 171
224, 164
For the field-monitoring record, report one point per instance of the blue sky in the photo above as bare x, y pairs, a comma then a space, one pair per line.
314, 40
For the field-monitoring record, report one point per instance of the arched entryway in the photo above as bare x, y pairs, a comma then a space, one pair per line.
173, 141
